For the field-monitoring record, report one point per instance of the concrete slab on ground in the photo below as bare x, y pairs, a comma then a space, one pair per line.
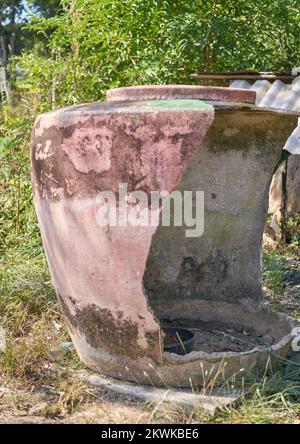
185, 398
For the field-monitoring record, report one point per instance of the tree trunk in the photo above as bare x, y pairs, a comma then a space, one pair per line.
3, 48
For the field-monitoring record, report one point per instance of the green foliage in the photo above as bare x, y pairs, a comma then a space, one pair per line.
293, 228
17, 218
9, 28
98, 44
273, 272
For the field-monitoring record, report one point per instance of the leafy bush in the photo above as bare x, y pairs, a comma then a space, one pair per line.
273, 272
94, 45
17, 218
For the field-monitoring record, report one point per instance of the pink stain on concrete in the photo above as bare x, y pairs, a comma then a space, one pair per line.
93, 267
86, 151
100, 269
166, 92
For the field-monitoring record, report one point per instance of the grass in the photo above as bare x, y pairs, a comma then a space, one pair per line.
273, 272
34, 325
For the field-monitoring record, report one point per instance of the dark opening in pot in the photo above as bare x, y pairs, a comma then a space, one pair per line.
178, 340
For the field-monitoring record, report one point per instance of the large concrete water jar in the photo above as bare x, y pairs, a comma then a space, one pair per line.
122, 277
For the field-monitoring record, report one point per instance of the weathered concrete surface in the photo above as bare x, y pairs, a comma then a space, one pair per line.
98, 271
199, 368
166, 92
292, 188
185, 399
233, 167
284, 96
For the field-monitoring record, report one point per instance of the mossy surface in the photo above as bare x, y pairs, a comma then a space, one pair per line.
181, 104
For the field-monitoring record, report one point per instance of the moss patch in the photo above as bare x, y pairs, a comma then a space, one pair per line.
180, 104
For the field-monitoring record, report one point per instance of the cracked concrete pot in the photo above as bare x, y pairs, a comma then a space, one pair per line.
114, 283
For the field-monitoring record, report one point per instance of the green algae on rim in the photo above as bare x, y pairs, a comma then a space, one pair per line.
85, 110
179, 104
